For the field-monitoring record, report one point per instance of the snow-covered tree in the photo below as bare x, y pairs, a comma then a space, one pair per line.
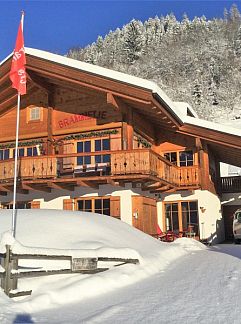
134, 41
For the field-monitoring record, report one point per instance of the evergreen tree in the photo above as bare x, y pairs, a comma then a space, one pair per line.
133, 41
197, 61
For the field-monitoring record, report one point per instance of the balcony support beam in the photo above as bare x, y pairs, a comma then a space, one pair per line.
35, 187
111, 101
5, 189
60, 186
87, 183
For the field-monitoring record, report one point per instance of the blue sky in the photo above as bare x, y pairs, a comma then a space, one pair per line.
59, 25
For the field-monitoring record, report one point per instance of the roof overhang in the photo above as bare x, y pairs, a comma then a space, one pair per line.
50, 70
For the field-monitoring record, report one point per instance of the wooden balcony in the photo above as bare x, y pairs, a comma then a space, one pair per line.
143, 166
230, 184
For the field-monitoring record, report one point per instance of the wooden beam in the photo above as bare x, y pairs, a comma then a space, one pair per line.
39, 82
36, 187
111, 101
198, 143
87, 183
5, 189
60, 186
161, 189
152, 186
112, 182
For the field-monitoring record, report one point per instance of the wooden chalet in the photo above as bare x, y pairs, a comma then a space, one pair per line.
96, 140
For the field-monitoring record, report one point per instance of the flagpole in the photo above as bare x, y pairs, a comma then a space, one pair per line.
15, 170
18, 78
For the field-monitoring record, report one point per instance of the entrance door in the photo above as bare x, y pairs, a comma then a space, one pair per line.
144, 214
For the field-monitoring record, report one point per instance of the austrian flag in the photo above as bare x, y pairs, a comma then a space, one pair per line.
18, 72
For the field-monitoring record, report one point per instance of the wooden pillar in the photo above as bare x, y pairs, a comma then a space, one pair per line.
203, 163
50, 147
8, 283
130, 130
180, 216
218, 177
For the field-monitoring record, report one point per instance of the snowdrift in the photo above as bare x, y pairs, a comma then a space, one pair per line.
95, 235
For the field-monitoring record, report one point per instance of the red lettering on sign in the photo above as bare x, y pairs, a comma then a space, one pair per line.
93, 114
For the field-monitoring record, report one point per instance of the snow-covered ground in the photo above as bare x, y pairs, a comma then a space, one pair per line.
182, 281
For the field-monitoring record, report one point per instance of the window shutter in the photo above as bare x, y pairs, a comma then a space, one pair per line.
35, 204
68, 162
68, 204
115, 206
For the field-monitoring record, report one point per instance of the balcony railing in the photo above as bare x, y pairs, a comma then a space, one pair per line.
231, 184
112, 163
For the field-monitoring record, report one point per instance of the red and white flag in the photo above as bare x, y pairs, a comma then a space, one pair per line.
18, 72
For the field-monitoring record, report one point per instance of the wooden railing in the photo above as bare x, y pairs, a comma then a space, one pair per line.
30, 167
131, 162
186, 176
231, 184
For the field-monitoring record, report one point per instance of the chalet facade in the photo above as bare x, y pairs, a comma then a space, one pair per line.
92, 139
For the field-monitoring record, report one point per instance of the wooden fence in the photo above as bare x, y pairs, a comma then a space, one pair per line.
9, 262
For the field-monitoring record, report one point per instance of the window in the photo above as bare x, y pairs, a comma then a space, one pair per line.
32, 151
99, 205
172, 157
4, 154
26, 151
186, 158
84, 205
19, 205
171, 213
97, 145
102, 145
190, 215
83, 147
183, 158
182, 216
20, 152
34, 113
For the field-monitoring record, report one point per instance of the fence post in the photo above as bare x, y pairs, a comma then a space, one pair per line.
8, 283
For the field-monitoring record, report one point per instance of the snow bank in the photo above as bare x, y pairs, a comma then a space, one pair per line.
189, 244
89, 234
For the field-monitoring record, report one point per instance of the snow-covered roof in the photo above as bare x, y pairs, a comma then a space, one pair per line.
186, 108
212, 126
179, 109
109, 74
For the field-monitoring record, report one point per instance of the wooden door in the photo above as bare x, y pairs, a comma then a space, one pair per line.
144, 214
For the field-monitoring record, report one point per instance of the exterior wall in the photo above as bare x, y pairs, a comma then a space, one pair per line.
210, 219
211, 223
54, 200
27, 128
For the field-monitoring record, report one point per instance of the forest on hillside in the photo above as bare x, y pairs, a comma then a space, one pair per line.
197, 61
